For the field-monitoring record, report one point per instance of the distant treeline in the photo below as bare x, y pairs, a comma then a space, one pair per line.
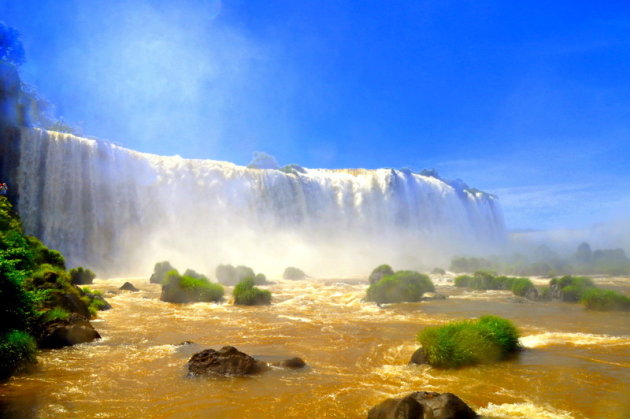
546, 262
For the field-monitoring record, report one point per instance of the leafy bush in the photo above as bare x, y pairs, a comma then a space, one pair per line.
438, 271
293, 273
605, 300
81, 276
467, 342
245, 293
17, 351
572, 287
159, 272
399, 287
379, 272
194, 274
521, 286
187, 289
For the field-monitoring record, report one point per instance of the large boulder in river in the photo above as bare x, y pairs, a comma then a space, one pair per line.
419, 357
128, 286
423, 405
227, 361
67, 332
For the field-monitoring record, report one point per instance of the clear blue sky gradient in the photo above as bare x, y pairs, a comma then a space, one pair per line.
526, 99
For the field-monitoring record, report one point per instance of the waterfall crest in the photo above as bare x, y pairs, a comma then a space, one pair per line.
119, 211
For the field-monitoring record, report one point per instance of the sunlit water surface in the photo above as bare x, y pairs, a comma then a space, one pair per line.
576, 362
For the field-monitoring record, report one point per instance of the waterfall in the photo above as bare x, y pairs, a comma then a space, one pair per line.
119, 211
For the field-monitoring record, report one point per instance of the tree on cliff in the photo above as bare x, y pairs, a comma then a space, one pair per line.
11, 49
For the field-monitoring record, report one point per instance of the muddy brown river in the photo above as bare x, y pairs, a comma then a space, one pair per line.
576, 363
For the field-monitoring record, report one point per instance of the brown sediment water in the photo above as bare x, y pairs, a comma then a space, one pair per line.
576, 363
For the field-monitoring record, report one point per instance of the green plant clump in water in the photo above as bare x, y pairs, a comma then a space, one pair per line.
521, 286
572, 287
293, 273
188, 289
159, 272
81, 276
605, 300
379, 272
245, 293
469, 342
486, 280
17, 351
400, 287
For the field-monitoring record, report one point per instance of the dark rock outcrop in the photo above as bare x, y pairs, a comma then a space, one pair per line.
419, 357
227, 361
423, 405
532, 294
128, 286
73, 303
71, 331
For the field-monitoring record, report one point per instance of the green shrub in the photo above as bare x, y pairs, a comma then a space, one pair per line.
467, 342
463, 281
521, 286
605, 300
379, 272
573, 287
399, 287
17, 351
81, 276
245, 293
293, 273
16, 305
188, 289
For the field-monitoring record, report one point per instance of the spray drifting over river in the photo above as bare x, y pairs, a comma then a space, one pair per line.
117, 210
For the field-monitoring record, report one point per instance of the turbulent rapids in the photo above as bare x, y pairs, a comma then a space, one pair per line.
117, 210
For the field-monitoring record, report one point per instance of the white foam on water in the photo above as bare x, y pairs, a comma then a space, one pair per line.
576, 339
522, 410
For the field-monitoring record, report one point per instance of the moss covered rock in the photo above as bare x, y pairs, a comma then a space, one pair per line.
402, 286
187, 289
245, 293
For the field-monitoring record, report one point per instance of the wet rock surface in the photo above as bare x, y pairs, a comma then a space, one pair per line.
227, 361
128, 286
71, 331
423, 405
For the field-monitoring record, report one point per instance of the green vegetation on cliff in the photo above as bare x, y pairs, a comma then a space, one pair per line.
35, 289
469, 342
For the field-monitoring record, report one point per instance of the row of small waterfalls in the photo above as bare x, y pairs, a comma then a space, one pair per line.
119, 211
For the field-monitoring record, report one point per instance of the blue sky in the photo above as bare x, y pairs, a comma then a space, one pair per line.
528, 100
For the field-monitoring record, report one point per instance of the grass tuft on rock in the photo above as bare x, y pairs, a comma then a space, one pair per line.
469, 342
402, 286
605, 300
187, 289
245, 293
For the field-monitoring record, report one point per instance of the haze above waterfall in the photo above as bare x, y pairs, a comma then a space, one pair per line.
120, 211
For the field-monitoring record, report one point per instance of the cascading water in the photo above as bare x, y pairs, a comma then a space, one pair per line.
119, 211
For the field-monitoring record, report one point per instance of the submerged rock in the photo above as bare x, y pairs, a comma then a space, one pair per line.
293, 363
227, 361
419, 357
423, 405
128, 286
71, 331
